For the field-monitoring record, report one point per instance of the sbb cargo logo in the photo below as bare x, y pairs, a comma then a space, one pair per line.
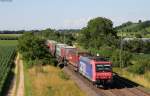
82, 67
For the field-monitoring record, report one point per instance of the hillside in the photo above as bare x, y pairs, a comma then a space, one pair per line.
130, 29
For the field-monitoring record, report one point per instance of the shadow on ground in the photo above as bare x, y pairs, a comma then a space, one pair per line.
8, 83
120, 83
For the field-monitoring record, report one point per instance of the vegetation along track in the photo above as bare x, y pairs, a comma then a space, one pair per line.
119, 87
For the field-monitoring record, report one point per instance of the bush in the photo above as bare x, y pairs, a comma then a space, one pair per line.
137, 46
125, 57
106, 52
137, 68
34, 50
62, 75
115, 58
141, 65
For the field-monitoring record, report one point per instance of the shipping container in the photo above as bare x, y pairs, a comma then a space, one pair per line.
68, 50
52, 46
59, 49
73, 56
48, 43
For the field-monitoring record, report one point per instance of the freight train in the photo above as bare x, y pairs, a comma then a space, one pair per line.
95, 68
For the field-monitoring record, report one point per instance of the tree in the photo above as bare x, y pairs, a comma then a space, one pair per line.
33, 49
138, 35
140, 21
98, 32
140, 65
125, 58
63, 36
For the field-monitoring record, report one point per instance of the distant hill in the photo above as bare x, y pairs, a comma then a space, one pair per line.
68, 30
130, 29
12, 32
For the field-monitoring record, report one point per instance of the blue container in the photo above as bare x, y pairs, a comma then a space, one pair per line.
85, 68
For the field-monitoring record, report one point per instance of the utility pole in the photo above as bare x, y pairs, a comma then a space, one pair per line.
64, 38
121, 50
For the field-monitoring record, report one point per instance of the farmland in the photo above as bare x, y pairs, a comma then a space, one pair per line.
7, 54
8, 42
9, 36
130, 29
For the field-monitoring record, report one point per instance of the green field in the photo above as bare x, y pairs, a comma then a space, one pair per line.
134, 29
10, 35
7, 54
8, 42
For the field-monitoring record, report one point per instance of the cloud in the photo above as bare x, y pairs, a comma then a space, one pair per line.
76, 23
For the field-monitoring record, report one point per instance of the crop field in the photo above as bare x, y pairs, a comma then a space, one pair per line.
10, 35
8, 42
7, 54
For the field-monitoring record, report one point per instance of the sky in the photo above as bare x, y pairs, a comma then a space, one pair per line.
68, 14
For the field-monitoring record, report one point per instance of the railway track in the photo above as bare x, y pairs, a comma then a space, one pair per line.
134, 88
120, 86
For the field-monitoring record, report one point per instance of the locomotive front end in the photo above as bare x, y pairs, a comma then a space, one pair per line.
103, 72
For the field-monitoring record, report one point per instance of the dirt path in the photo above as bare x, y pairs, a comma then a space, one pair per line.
12, 89
20, 89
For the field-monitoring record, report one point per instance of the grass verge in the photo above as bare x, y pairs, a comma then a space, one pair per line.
27, 83
143, 80
49, 81
17, 76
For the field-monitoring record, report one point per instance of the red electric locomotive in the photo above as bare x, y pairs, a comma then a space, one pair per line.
96, 69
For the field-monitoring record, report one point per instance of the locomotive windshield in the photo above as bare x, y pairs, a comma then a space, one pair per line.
103, 67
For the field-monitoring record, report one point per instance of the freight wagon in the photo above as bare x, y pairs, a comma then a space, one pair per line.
74, 58
52, 46
59, 49
66, 51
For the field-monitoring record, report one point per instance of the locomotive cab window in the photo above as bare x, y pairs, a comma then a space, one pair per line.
107, 67
101, 67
